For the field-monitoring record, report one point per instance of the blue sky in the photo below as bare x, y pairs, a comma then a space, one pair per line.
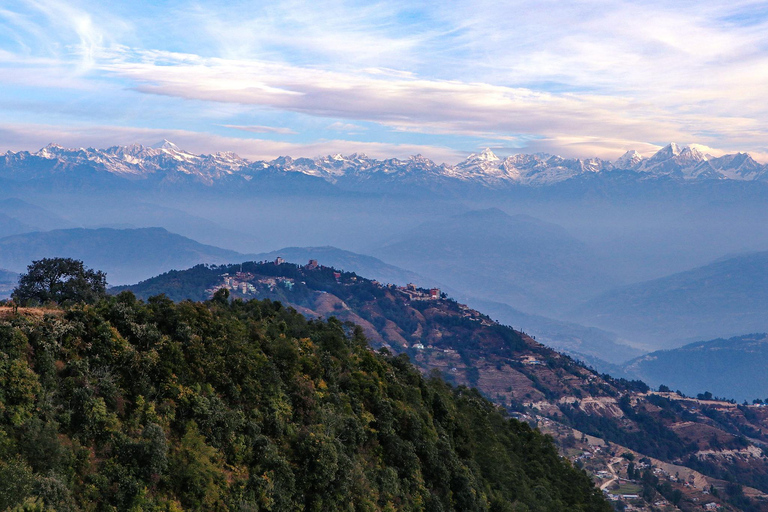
591, 78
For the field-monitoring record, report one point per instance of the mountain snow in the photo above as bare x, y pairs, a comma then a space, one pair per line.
167, 162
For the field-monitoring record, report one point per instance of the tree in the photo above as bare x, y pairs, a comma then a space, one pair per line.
60, 280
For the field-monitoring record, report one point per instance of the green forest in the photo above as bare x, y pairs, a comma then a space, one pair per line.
246, 405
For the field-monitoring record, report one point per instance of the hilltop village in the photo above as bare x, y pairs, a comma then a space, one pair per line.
248, 285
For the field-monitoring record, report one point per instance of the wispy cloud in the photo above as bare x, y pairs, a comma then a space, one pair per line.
338, 126
437, 106
261, 129
586, 78
62, 29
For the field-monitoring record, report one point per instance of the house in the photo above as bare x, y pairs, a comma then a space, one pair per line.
312, 264
434, 293
279, 261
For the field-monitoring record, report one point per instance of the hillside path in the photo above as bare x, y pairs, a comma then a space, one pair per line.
615, 478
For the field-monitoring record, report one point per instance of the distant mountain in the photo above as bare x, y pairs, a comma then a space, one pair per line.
13, 226
724, 298
168, 164
8, 282
143, 214
603, 350
126, 255
532, 265
42, 219
733, 368
6, 276
17, 216
689, 163
55, 169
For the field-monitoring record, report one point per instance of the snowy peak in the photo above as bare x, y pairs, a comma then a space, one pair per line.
691, 155
671, 150
166, 162
629, 160
166, 144
484, 167
486, 156
50, 151
686, 163
688, 154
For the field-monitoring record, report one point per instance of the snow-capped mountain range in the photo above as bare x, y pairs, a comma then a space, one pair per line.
166, 162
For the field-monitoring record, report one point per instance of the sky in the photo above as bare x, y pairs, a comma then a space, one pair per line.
389, 79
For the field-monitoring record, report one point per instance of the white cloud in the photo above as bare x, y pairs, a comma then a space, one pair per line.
596, 76
261, 129
64, 30
338, 126
436, 106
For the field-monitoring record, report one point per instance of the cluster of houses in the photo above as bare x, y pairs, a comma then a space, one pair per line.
240, 282
273, 282
531, 360
415, 293
245, 283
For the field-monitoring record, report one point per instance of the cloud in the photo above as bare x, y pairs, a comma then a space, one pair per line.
321, 33
562, 77
442, 106
63, 30
345, 127
261, 129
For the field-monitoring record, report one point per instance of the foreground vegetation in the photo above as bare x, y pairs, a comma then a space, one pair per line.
248, 406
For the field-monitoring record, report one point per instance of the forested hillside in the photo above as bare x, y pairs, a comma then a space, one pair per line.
718, 439
246, 405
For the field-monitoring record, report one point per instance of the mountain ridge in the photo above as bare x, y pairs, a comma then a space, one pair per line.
123, 253
725, 298
733, 367
167, 163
